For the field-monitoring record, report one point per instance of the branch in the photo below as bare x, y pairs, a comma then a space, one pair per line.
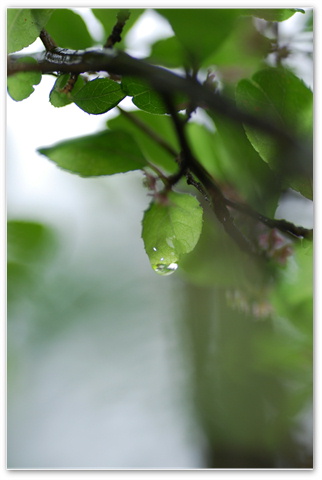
122, 17
189, 162
46, 39
282, 225
165, 81
162, 80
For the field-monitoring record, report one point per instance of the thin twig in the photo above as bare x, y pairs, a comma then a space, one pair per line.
189, 162
282, 225
122, 17
149, 131
47, 40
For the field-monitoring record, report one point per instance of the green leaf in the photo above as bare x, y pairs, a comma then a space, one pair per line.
171, 227
274, 14
201, 31
144, 97
242, 167
20, 85
57, 96
161, 125
241, 53
280, 96
167, 52
27, 241
108, 18
24, 26
69, 30
104, 153
99, 96
147, 99
293, 294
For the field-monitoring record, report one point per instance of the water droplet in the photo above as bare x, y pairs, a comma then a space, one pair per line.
163, 269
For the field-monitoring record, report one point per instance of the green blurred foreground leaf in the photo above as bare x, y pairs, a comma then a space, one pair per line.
104, 153
280, 96
99, 96
171, 228
24, 26
200, 31
20, 85
274, 14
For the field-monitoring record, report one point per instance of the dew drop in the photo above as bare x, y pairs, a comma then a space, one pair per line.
163, 269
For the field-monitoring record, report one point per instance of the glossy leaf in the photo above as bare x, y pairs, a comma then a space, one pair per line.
108, 18
159, 124
274, 14
57, 96
104, 153
69, 30
99, 96
278, 95
171, 227
200, 31
20, 85
24, 26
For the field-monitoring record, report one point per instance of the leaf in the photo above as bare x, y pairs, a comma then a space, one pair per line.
108, 18
57, 96
293, 293
20, 85
144, 97
161, 125
280, 96
167, 52
99, 96
170, 229
24, 26
200, 31
27, 241
69, 30
29, 245
104, 153
147, 99
241, 53
274, 14
242, 167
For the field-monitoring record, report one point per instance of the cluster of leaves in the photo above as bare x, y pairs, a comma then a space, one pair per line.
227, 39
